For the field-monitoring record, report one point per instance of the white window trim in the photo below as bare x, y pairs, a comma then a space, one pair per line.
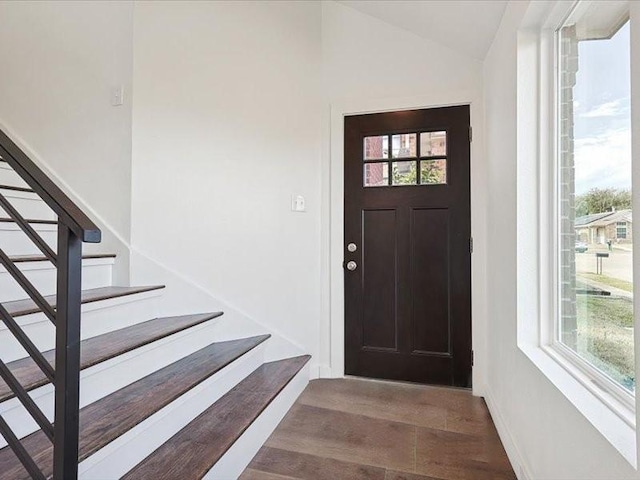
609, 407
626, 401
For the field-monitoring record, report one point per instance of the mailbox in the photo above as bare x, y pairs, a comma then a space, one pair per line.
599, 257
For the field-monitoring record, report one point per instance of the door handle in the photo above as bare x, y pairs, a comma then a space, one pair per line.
351, 266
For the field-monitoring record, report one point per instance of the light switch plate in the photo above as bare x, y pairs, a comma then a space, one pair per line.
117, 95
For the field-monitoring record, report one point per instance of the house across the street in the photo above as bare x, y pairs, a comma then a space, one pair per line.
602, 227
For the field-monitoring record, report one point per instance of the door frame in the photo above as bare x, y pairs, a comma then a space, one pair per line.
333, 246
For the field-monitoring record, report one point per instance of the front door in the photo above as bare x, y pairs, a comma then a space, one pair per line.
407, 246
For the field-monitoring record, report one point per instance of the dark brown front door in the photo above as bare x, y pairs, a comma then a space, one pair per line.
407, 246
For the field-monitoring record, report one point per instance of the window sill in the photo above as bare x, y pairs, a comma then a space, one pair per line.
611, 417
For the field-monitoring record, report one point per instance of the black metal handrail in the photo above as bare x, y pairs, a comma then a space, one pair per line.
74, 227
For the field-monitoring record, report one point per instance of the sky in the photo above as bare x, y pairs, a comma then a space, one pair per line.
602, 114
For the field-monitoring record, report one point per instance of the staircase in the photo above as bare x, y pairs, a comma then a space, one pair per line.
95, 383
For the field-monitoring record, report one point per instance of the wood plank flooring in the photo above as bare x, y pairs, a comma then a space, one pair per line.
355, 429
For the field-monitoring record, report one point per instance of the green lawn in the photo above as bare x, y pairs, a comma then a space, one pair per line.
605, 335
611, 281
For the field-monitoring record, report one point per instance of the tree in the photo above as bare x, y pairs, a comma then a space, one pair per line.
431, 172
404, 173
599, 200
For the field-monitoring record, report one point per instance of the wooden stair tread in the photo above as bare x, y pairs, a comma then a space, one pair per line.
17, 308
42, 258
104, 347
191, 452
108, 418
30, 220
16, 189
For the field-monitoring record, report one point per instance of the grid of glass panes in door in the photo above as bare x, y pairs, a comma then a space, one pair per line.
396, 160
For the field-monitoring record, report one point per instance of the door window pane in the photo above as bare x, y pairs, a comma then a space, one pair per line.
376, 174
433, 144
404, 173
376, 148
433, 172
595, 246
404, 146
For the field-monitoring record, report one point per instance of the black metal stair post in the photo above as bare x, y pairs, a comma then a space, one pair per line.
67, 372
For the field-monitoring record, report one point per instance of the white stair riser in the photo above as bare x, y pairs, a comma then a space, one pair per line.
29, 205
97, 318
10, 177
15, 242
124, 453
107, 377
236, 459
95, 273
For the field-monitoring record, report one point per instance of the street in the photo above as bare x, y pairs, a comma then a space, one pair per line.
618, 265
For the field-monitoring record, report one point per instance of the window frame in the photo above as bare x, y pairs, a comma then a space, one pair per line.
418, 158
594, 374
605, 404
622, 225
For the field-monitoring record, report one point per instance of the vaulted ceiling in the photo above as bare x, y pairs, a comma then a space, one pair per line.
467, 26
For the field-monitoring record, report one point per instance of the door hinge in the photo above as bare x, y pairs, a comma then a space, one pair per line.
471, 245
472, 358
470, 134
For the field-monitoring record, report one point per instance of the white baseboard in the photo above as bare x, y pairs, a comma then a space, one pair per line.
518, 463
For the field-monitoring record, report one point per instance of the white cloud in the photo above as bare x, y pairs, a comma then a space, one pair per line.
607, 109
603, 161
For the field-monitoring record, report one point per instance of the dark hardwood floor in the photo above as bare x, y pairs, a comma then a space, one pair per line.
352, 429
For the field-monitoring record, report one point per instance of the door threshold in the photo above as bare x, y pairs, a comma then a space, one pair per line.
404, 382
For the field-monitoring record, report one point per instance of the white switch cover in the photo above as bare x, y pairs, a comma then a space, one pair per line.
117, 95
297, 203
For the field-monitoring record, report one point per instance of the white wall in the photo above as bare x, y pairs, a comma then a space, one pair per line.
60, 61
357, 51
226, 127
548, 434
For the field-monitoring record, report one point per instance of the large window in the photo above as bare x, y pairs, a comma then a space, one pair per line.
594, 265
621, 230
